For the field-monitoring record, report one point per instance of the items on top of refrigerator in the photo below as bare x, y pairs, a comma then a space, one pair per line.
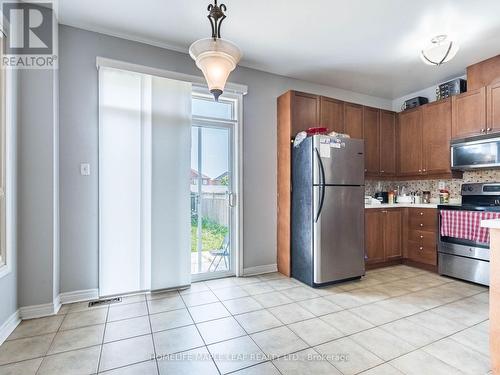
299, 138
317, 130
339, 135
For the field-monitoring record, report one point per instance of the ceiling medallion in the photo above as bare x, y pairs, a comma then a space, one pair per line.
440, 51
215, 57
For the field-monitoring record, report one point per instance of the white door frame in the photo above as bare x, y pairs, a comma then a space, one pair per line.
236, 165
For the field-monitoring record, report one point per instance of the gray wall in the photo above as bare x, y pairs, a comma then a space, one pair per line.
78, 143
38, 171
8, 283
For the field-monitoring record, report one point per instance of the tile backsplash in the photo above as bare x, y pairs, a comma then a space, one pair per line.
452, 185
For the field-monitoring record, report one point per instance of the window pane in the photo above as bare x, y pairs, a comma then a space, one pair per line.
210, 108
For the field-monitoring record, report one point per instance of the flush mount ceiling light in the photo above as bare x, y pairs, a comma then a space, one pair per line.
440, 51
215, 57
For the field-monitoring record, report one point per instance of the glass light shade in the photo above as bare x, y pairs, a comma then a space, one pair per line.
440, 51
216, 58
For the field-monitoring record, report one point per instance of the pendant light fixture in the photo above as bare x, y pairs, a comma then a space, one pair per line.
440, 51
215, 57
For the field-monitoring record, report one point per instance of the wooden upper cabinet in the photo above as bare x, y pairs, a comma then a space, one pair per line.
374, 247
493, 107
410, 142
353, 120
392, 228
371, 129
305, 112
436, 133
469, 113
387, 143
332, 114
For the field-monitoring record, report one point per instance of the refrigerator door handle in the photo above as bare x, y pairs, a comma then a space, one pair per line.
321, 185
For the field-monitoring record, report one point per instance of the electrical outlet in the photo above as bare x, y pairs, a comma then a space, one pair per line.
85, 169
441, 185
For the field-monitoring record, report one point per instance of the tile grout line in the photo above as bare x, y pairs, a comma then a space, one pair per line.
251, 338
152, 336
201, 336
102, 342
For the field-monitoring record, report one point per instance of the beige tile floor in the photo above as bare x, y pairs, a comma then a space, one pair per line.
397, 320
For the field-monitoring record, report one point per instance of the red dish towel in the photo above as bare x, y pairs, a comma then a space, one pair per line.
466, 224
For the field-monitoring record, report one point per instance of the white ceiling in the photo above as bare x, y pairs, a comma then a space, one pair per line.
366, 46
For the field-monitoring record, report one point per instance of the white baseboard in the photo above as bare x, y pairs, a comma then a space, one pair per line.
9, 326
259, 270
37, 311
48, 309
79, 296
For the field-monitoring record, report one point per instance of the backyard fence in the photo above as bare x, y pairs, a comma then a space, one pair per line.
213, 206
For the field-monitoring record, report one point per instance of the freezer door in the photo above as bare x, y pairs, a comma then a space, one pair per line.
342, 161
338, 251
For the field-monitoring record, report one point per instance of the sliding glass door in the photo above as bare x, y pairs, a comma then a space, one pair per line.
213, 198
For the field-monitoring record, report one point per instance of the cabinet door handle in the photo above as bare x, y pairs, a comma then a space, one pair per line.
382, 171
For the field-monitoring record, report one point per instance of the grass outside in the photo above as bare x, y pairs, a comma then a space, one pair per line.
212, 234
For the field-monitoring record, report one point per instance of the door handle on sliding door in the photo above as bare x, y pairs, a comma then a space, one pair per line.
232, 199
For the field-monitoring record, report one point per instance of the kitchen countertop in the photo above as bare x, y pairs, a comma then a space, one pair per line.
402, 205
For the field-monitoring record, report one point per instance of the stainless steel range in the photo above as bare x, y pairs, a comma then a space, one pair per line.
461, 258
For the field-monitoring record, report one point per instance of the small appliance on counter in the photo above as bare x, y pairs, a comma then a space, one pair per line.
450, 88
382, 196
414, 103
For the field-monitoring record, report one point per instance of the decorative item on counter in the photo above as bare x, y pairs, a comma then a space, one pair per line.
390, 197
418, 198
317, 130
426, 197
299, 138
444, 196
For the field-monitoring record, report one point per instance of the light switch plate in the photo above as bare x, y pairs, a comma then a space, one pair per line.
85, 169
441, 185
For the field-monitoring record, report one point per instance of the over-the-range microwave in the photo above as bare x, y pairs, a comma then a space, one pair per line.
476, 152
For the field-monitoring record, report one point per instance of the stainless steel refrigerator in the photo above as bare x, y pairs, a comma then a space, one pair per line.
328, 210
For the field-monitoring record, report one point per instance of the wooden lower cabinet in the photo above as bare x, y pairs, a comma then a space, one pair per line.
401, 234
383, 233
422, 235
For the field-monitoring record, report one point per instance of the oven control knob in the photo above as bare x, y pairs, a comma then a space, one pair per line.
470, 188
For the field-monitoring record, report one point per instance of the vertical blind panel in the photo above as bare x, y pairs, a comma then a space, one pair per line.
171, 164
120, 153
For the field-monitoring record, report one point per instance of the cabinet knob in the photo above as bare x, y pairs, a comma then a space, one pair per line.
366, 170
419, 171
423, 170
421, 214
421, 236
382, 171
421, 248
421, 225
483, 130
489, 129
